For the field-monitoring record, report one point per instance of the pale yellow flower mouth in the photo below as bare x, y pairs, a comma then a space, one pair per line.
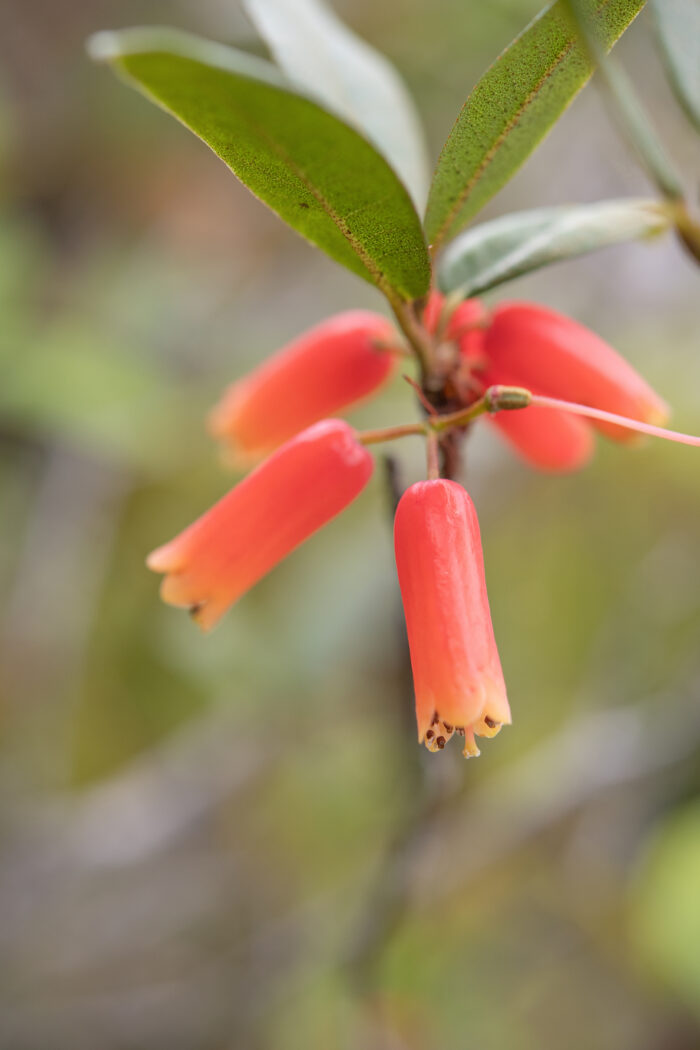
441, 732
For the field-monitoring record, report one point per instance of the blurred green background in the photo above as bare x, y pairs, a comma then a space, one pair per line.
189, 825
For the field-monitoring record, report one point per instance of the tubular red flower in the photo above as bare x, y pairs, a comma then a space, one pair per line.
548, 440
281, 503
457, 673
535, 347
327, 369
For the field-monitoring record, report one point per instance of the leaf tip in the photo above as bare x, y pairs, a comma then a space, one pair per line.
103, 46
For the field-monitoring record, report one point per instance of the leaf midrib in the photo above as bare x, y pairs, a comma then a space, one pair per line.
303, 177
491, 153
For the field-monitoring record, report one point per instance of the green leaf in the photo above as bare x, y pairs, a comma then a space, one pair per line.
493, 252
320, 54
678, 29
512, 108
318, 174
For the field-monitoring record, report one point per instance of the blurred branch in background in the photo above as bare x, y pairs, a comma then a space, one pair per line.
640, 133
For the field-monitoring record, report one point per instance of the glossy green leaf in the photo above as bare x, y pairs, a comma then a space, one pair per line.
316, 172
320, 54
512, 108
493, 252
678, 28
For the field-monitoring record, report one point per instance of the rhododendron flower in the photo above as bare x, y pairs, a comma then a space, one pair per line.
535, 347
260, 521
322, 372
522, 344
546, 438
457, 673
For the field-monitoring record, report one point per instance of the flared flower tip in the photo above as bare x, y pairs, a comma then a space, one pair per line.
496, 713
260, 521
325, 371
164, 559
457, 673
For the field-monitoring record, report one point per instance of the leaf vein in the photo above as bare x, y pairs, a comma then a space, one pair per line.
330, 211
509, 126
498, 142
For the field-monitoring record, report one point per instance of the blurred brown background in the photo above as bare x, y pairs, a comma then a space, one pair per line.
189, 825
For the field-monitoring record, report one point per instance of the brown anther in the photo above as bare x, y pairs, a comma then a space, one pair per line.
441, 742
448, 727
490, 722
460, 730
429, 735
194, 609
435, 719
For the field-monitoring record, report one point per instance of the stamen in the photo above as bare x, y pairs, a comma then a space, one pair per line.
438, 735
487, 727
441, 732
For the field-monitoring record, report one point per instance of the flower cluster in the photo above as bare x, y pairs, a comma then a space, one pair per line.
315, 466
526, 345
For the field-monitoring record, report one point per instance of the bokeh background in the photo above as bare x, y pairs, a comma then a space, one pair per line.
191, 827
